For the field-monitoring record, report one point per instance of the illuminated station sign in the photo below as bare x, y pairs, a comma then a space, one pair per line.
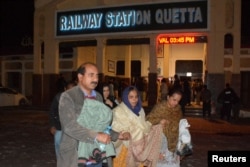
139, 18
182, 39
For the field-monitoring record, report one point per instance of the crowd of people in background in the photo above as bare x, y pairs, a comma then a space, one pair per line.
194, 91
191, 88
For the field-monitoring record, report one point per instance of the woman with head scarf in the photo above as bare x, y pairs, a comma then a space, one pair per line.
143, 148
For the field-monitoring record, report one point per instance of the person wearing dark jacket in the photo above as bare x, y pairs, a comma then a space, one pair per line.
206, 101
227, 97
55, 125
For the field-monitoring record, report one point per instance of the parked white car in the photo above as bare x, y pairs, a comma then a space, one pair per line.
10, 97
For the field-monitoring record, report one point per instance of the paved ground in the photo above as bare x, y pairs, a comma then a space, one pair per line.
26, 141
216, 135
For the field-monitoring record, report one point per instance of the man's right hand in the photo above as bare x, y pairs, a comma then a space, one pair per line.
103, 138
53, 130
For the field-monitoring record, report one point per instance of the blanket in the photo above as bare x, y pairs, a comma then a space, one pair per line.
97, 116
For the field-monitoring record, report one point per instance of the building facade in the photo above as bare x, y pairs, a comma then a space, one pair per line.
152, 39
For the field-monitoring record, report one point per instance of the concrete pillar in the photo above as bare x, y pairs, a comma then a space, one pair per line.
215, 50
37, 78
128, 62
100, 57
38, 40
152, 76
100, 54
51, 71
236, 77
45, 75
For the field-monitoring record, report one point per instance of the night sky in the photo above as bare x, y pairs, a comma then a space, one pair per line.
16, 23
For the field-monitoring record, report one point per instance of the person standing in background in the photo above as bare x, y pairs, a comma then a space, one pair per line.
116, 88
61, 83
55, 125
145, 88
206, 101
193, 86
187, 91
164, 89
177, 82
198, 89
158, 95
139, 85
227, 97
111, 87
